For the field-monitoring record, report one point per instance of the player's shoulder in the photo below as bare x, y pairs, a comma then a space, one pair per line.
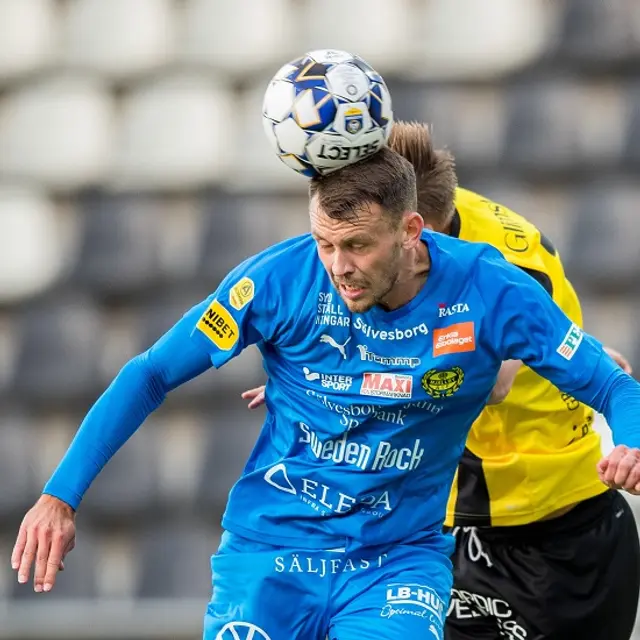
482, 219
279, 262
471, 261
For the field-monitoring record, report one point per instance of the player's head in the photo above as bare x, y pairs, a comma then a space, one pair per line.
436, 177
364, 220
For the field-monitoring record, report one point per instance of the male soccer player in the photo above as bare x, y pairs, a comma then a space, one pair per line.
527, 484
335, 527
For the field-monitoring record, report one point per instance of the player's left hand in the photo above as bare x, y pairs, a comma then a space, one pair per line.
621, 469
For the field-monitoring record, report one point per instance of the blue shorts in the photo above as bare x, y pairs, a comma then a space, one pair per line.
265, 592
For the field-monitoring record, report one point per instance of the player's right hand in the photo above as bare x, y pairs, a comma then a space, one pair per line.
255, 397
46, 535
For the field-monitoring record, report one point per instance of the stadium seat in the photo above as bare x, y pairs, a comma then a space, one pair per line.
494, 38
231, 438
240, 38
17, 478
78, 580
27, 36
561, 126
603, 254
57, 131
58, 358
380, 37
119, 249
127, 488
468, 121
175, 133
119, 38
175, 560
30, 243
632, 146
598, 33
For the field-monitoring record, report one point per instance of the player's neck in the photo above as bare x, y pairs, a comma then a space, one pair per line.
411, 279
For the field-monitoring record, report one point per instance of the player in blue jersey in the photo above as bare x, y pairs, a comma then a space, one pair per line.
335, 526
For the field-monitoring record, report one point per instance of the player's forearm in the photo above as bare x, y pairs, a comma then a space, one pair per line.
622, 410
123, 407
616, 395
139, 389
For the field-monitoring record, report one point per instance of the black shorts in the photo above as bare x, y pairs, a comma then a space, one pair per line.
575, 577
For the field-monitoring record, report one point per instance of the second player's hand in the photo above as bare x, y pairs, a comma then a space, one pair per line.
46, 535
621, 469
255, 397
620, 360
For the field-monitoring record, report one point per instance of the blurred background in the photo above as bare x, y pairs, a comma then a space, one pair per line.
134, 173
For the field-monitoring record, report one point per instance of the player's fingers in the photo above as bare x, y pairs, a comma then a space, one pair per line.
42, 558
28, 556
257, 401
54, 562
625, 466
614, 459
633, 478
251, 393
18, 547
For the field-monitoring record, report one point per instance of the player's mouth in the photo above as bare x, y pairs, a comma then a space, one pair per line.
351, 292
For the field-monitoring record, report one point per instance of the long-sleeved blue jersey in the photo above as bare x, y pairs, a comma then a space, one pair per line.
366, 414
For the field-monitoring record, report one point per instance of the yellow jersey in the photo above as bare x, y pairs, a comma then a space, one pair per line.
537, 451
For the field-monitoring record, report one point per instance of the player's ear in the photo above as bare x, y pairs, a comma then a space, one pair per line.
413, 226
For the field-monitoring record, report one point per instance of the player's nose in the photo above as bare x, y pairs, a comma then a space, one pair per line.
341, 265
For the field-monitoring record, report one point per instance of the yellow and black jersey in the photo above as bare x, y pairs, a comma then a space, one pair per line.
537, 451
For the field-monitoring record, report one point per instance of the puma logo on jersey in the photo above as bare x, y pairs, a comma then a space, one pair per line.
327, 339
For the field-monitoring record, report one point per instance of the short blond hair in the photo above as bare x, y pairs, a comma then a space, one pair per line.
436, 177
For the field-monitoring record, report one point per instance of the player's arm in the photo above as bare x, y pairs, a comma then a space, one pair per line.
47, 532
526, 324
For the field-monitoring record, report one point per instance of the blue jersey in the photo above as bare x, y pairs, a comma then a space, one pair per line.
366, 414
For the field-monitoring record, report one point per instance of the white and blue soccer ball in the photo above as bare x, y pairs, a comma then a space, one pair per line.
326, 110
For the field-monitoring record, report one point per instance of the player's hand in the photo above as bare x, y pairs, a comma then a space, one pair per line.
506, 378
255, 397
46, 535
621, 469
620, 360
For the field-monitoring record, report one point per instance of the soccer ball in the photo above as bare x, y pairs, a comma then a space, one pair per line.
326, 110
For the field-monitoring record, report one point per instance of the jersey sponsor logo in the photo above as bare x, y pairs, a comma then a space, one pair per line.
386, 385
466, 605
321, 567
389, 361
219, 326
442, 383
392, 334
341, 450
241, 631
570, 401
456, 338
326, 499
242, 293
327, 339
515, 234
417, 600
334, 381
329, 312
445, 311
355, 414
571, 342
